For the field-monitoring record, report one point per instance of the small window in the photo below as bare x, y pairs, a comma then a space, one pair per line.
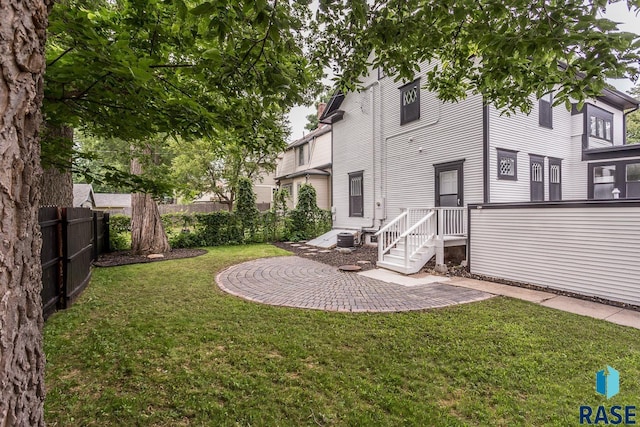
555, 179
507, 164
633, 180
601, 125
604, 181
289, 189
545, 117
410, 102
356, 200
301, 155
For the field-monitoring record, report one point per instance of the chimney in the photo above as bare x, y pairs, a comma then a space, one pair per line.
321, 107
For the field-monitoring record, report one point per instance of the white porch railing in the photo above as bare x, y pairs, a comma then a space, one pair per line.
416, 237
414, 229
390, 234
452, 221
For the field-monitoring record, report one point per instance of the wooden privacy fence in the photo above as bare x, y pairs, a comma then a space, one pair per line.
71, 239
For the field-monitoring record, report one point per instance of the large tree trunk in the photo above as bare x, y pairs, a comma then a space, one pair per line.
22, 35
57, 182
147, 232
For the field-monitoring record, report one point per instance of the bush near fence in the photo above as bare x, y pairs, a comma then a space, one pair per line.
223, 228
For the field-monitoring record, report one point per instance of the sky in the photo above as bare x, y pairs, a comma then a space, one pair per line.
617, 12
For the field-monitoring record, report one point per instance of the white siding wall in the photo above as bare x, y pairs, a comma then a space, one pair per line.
352, 152
323, 190
587, 250
370, 138
523, 133
446, 132
320, 151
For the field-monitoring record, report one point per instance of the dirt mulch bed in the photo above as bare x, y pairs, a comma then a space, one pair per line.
114, 259
335, 257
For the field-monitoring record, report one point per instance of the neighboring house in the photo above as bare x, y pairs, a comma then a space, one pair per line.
113, 203
403, 159
263, 186
83, 196
307, 161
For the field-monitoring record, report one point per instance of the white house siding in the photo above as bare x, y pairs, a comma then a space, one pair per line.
353, 152
523, 133
323, 190
446, 132
589, 250
370, 138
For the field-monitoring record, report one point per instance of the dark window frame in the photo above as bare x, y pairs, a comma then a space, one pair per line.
356, 199
449, 166
510, 154
545, 111
601, 116
620, 176
536, 185
301, 155
555, 188
410, 112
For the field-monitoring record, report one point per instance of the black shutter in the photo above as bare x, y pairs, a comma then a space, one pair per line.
545, 117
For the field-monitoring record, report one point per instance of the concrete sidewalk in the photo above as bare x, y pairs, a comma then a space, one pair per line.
596, 310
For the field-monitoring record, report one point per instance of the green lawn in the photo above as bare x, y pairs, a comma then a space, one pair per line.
160, 344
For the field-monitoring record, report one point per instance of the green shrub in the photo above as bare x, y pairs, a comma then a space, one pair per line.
186, 240
219, 228
307, 221
119, 232
246, 211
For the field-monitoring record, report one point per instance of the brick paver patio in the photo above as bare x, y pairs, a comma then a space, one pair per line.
298, 282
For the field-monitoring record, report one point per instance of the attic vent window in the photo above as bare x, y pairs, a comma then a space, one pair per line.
410, 102
507, 164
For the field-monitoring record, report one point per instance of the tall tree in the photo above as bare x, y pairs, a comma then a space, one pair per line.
504, 50
217, 165
22, 38
133, 70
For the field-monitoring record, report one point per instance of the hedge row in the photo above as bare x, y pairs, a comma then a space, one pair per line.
187, 230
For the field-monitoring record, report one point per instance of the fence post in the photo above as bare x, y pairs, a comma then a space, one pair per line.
107, 239
64, 237
95, 231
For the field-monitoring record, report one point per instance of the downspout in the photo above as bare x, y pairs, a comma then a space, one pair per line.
373, 143
624, 123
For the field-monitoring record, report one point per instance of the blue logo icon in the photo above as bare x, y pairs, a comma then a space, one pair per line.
608, 382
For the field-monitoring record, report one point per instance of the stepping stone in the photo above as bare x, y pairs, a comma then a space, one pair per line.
363, 262
350, 267
312, 249
311, 254
325, 251
302, 241
155, 256
344, 250
295, 245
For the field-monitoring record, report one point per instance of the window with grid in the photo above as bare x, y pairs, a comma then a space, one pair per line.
536, 175
507, 164
410, 102
600, 124
356, 201
555, 179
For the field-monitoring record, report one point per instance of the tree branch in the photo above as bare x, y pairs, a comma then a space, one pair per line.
60, 56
